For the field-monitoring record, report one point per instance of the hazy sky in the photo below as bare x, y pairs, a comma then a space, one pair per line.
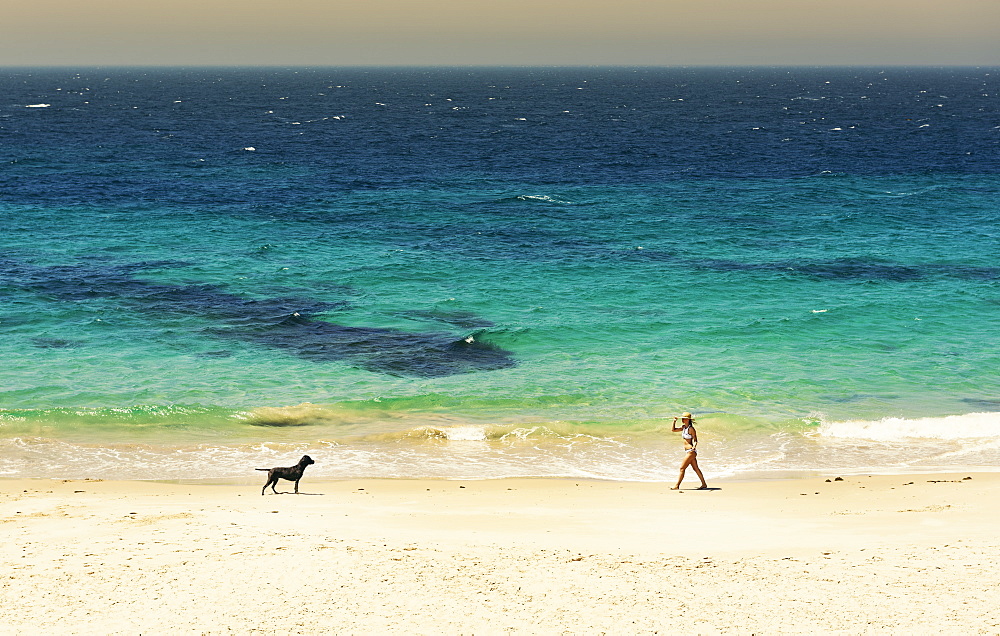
517, 32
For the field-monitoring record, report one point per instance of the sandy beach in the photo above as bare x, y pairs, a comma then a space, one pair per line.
896, 554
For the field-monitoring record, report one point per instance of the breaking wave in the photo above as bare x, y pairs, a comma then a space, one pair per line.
889, 429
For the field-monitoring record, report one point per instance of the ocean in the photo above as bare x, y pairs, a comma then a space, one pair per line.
476, 273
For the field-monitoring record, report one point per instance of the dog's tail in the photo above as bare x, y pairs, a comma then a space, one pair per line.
264, 469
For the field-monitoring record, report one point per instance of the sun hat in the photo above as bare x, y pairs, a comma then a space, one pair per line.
687, 415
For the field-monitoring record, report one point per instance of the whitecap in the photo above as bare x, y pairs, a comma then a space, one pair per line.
38, 105
541, 197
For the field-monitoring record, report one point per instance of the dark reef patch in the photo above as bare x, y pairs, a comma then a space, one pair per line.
284, 324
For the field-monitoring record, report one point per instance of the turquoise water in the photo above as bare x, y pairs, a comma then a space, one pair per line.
486, 274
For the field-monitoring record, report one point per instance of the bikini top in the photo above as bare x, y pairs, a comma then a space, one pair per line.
686, 432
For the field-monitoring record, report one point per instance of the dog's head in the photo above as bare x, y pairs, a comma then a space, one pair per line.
306, 460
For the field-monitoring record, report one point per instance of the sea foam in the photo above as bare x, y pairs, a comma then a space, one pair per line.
968, 426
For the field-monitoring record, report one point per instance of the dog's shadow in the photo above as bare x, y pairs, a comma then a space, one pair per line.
308, 494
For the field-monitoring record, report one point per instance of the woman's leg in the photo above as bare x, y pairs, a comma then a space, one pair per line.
697, 471
684, 464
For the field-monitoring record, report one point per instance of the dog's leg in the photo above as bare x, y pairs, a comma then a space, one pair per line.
271, 481
296, 486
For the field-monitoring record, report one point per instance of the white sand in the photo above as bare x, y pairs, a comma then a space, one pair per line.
865, 555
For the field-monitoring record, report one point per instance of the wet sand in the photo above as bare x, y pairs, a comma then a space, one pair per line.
887, 554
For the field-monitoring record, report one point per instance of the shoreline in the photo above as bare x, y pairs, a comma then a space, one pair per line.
881, 552
743, 477
471, 452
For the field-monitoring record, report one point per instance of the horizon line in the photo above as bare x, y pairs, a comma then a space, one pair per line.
497, 66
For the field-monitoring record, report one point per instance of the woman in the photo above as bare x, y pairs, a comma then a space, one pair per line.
690, 449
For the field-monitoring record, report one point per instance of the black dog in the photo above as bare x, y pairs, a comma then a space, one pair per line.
291, 473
